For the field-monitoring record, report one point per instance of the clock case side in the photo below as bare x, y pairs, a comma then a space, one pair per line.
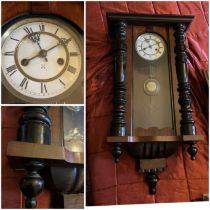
184, 128
14, 94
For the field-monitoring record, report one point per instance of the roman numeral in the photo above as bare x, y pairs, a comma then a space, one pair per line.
72, 69
24, 83
74, 53
42, 27
11, 69
43, 88
14, 39
9, 53
28, 30
62, 82
56, 30
35, 36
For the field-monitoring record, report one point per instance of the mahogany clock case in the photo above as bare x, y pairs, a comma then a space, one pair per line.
74, 94
152, 120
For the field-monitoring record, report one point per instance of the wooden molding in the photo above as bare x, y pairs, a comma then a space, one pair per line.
40, 151
154, 138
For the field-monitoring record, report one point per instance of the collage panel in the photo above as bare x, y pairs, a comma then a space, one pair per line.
104, 104
43, 157
42, 52
147, 103
42, 64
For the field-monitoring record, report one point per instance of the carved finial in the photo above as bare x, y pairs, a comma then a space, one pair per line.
117, 152
32, 183
152, 179
192, 150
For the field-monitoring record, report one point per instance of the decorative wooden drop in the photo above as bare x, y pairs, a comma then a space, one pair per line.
118, 122
187, 123
152, 179
32, 183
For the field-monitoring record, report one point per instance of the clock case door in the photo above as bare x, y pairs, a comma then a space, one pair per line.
11, 96
151, 116
151, 145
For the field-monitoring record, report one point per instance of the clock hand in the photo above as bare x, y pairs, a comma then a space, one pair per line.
43, 53
62, 42
25, 61
35, 37
150, 46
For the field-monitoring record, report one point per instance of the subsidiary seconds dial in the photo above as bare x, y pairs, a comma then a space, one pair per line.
42, 59
150, 46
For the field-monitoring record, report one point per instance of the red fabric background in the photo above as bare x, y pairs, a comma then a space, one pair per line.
110, 183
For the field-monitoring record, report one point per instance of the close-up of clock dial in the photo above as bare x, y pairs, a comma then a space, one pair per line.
42, 58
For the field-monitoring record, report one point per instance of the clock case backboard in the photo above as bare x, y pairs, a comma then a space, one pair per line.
11, 96
151, 146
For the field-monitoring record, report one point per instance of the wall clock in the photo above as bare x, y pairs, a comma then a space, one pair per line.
42, 58
152, 104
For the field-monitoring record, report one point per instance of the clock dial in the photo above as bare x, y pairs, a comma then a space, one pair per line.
42, 59
150, 46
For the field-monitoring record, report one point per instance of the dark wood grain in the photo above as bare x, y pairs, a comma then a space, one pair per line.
187, 124
12, 9
57, 126
119, 120
35, 125
73, 11
147, 19
174, 82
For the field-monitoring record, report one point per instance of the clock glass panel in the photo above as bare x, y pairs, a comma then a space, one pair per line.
151, 86
73, 121
41, 58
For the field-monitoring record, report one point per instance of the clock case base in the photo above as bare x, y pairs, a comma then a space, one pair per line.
151, 150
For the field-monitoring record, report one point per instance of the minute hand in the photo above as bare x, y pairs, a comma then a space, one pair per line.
62, 42
53, 47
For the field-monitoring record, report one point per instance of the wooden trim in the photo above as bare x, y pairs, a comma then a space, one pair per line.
147, 164
154, 138
74, 201
56, 116
41, 151
129, 81
174, 81
147, 19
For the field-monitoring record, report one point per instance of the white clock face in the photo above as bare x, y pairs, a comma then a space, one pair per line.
150, 46
42, 59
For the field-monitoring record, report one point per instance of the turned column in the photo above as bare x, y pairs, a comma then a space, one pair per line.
187, 123
34, 128
119, 101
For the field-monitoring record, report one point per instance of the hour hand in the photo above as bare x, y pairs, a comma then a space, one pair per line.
34, 37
